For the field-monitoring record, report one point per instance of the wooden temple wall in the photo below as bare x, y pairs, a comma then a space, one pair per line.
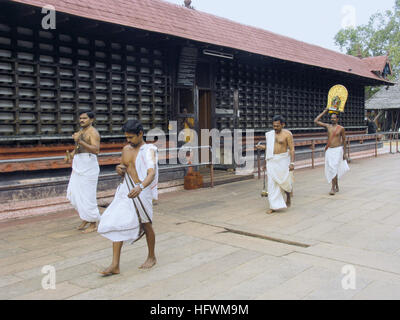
46, 78
270, 90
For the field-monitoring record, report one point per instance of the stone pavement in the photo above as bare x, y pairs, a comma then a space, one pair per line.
219, 244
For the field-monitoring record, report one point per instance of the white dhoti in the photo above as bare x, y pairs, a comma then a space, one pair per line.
280, 180
334, 163
82, 187
123, 218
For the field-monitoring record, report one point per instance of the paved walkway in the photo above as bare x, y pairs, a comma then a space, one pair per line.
219, 244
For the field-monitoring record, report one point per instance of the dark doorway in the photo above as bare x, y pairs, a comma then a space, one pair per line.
205, 109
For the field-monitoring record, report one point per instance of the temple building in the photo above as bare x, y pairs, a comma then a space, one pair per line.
149, 59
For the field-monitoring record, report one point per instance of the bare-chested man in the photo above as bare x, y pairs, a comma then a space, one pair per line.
82, 187
130, 214
335, 155
280, 164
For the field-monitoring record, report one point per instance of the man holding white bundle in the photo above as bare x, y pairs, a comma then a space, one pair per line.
280, 165
130, 214
335, 156
82, 187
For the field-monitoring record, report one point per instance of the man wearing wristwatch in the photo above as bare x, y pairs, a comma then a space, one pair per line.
130, 214
280, 164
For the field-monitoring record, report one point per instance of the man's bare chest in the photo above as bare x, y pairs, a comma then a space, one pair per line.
85, 137
280, 140
334, 131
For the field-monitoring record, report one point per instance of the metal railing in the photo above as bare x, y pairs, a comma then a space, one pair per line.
389, 137
118, 154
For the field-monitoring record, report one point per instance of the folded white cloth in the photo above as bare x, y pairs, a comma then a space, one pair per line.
270, 140
280, 180
82, 186
123, 218
146, 159
334, 163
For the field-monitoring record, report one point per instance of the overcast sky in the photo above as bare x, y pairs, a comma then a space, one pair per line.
311, 21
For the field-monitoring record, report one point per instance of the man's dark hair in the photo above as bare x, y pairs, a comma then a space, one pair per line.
90, 114
133, 126
278, 118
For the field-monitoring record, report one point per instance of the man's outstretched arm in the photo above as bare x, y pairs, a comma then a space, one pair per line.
317, 120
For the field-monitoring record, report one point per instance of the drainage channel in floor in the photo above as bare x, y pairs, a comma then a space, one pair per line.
254, 235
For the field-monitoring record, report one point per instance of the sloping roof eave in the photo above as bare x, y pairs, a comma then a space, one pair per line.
385, 99
177, 21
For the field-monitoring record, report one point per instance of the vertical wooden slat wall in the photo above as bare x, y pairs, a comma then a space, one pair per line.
46, 78
265, 91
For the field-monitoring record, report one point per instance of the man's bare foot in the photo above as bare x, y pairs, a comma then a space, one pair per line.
270, 211
337, 189
92, 228
149, 263
110, 271
332, 193
83, 225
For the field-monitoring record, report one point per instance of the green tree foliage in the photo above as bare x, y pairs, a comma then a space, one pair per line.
380, 36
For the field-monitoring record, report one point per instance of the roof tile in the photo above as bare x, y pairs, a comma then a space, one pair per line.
160, 16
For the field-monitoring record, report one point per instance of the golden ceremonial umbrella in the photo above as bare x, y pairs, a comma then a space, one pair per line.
337, 99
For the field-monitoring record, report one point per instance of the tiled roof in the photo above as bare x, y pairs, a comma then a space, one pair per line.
166, 18
386, 98
376, 63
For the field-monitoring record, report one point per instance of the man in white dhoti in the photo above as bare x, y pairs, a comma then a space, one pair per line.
82, 187
335, 151
280, 164
130, 214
